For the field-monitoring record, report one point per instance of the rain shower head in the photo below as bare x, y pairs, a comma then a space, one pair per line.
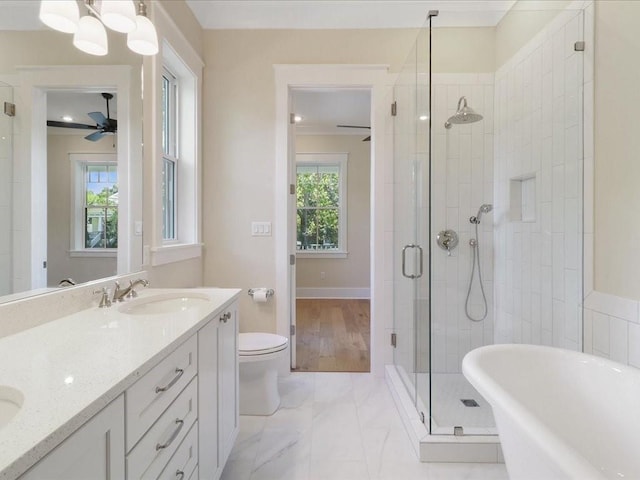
465, 114
484, 208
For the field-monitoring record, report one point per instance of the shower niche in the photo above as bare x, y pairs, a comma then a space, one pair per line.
522, 199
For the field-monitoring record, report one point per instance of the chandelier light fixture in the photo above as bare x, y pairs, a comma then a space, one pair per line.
89, 33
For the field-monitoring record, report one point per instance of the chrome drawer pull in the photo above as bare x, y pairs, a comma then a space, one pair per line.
180, 474
179, 372
173, 436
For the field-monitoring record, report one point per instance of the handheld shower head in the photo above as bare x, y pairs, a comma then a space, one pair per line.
484, 208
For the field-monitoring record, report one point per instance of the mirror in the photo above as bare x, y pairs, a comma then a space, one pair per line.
38, 63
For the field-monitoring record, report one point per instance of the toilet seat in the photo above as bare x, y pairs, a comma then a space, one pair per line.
255, 344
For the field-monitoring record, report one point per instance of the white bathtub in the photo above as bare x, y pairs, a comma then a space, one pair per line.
560, 414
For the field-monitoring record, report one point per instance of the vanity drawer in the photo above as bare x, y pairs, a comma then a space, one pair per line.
152, 453
153, 393
185, 460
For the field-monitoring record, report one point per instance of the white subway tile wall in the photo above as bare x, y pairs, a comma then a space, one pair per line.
538, 133
462, 180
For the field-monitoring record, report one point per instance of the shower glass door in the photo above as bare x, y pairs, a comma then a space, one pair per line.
411, 225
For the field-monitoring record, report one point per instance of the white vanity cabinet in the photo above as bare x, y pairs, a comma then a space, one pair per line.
218, 391
95, 451
178, 421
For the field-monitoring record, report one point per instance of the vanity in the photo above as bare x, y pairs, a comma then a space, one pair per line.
143, 389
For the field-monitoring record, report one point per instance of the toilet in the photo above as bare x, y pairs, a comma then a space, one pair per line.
259, 356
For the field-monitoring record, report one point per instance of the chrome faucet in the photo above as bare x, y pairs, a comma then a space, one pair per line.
104, 300
119, 294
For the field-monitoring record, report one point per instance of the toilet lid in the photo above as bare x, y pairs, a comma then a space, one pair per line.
260, 343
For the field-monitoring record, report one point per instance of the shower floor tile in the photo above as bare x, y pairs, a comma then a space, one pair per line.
447, 392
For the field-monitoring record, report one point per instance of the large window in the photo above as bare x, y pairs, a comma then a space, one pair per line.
321, 203
95, 205
169, 154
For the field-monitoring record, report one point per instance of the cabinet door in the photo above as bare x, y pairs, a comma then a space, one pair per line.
208, 459
228, 382
95, 451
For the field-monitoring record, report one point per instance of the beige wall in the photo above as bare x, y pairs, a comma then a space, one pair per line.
353, 271
239, 140
185, 21
521, 23
48, 47
59, 264
462, 50
617, 143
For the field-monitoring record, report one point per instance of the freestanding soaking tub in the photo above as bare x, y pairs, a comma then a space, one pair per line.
560, 414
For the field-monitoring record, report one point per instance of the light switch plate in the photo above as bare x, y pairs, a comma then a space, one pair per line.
260, 229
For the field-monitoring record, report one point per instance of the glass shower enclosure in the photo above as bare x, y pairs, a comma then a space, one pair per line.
488, 210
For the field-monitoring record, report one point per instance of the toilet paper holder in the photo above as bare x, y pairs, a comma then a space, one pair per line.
270, 291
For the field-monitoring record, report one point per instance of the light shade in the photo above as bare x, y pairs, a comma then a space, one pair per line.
118, 15
61, 15
91, 36
144, 39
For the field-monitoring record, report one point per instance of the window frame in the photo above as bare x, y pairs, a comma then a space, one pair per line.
79, 163
341, 160
170, 155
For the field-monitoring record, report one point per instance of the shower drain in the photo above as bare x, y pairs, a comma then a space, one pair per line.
469, 402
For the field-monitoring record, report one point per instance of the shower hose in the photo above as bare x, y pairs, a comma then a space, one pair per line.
475, 246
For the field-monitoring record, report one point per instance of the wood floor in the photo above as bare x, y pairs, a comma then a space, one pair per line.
333, 335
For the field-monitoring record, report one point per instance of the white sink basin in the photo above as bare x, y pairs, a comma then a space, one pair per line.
164, 303
11, 401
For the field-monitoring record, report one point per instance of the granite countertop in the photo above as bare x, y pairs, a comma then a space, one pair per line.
71, 368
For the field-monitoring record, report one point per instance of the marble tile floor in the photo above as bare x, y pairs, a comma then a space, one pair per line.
336, 426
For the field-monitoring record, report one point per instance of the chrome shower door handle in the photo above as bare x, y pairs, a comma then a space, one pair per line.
404, 261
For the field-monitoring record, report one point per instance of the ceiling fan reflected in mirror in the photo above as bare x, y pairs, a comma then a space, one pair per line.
368, 139
104, 125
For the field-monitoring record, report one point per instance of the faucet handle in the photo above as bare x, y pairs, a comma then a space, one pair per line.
105, 301
132, 291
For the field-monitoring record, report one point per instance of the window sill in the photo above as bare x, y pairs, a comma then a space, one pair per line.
175, 253
97, 253
321, 254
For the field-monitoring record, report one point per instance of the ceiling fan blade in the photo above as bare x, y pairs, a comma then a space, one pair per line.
99, 118
353, 126
94, 137
54, 123
368, 139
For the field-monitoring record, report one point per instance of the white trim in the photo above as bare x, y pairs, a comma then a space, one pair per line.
94, 253
175, 253
310, 292
320, 254
184, 62
372, 77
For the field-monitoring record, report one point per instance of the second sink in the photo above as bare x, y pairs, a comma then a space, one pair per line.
163, 303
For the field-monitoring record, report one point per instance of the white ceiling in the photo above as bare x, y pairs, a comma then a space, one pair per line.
322, 110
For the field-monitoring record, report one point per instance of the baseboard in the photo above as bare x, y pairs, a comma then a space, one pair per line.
364, 292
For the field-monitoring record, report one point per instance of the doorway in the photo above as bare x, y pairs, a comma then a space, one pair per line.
332, 228
364, 77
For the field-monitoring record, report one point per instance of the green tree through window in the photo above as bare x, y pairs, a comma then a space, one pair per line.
318, 207
101, 206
